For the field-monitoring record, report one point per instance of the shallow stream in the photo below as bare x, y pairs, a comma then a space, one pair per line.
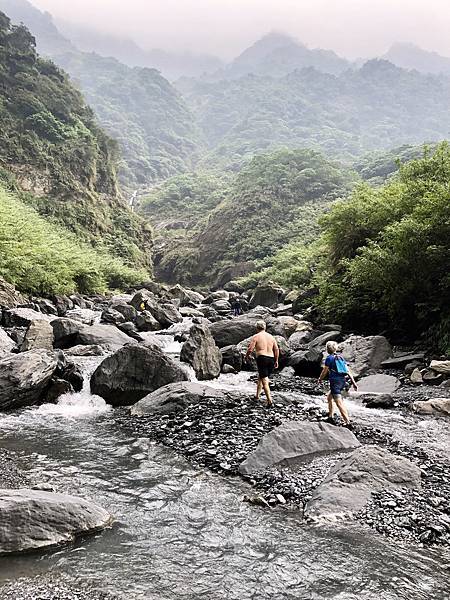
186, 534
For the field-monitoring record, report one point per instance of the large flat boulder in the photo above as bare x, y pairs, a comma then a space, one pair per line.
38, 335
349, 486
32, 520
174, 397
133, 372
108, 336
24, 378
233, 331
22, 317
379, 384
294, 442
434, 406
365, 354
201, 352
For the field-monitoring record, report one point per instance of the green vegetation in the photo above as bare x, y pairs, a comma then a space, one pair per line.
382, 259
51, 145
42, 258
273, 200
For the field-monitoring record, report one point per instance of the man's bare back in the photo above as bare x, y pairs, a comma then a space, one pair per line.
264, 344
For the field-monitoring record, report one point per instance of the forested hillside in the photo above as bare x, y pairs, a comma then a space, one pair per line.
378, 106
55, 155
273, 200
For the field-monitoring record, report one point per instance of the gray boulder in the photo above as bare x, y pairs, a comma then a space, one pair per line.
232, 356
143, 297
110, 315
185, 296
233, 331
299, 340
174, 397
38, 335
22, 317
125, 309
295, 442
145, 321
32, 520
374, 400
441, 366
166, 314
62, 304
6, 343
306, 363
365, 354
398, 362
201, 352
187, 311
434, 406
57, 388
289, 325
349, 486
102, 335
267, 295
320, 341
133, 372
9, 297
65, 332
379, 384
24, 378
85, 351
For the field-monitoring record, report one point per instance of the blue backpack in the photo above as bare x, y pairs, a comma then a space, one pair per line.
340, 366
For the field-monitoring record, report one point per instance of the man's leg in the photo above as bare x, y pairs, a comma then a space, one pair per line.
265, 384
330, 405
342, 408
259, 387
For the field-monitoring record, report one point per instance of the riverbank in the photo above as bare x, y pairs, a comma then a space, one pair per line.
51, 587
219, 434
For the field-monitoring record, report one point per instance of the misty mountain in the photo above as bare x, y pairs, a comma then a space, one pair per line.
377, 106
172, 65
277, 54
410, 56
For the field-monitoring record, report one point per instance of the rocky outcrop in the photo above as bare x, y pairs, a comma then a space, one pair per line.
32, 520
24, 378
201, 352
349, 486
294, 442
9, 297
174, 397
267, 295
133, 372
434, 406
306, 363
102, 335
365, 354
39, 335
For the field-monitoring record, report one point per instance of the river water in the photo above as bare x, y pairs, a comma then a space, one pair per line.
184, 533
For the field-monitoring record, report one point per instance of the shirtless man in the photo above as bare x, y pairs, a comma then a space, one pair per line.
267, 353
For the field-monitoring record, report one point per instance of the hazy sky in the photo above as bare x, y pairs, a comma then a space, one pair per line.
224, 27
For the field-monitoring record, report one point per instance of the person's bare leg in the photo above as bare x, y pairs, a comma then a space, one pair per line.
259, 388
342, 409
265, 383
330, 405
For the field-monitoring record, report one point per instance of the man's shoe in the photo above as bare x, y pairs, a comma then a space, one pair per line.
331, 420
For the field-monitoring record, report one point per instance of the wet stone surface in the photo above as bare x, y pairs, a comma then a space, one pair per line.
11, 476
219, 435
50, 587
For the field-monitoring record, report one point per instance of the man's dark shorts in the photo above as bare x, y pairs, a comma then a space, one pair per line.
266, 365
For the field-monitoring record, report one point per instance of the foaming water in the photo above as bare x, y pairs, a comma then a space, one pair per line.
82, 404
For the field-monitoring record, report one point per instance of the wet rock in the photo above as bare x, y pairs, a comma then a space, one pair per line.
85, 351
375, 400
228, 369
133, 372
38, 335
434, 406
145, 321
175, 397
33, 520
22, 317
6, 343
267, 295
306, 363
24, 378
296, 441
400, 361
232, 356
349, 486
379, 384
299, 340
73, 374
201, 352
440, 366
65, 332
57, 388
365, 354
108, 336
320, 341
9, 297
